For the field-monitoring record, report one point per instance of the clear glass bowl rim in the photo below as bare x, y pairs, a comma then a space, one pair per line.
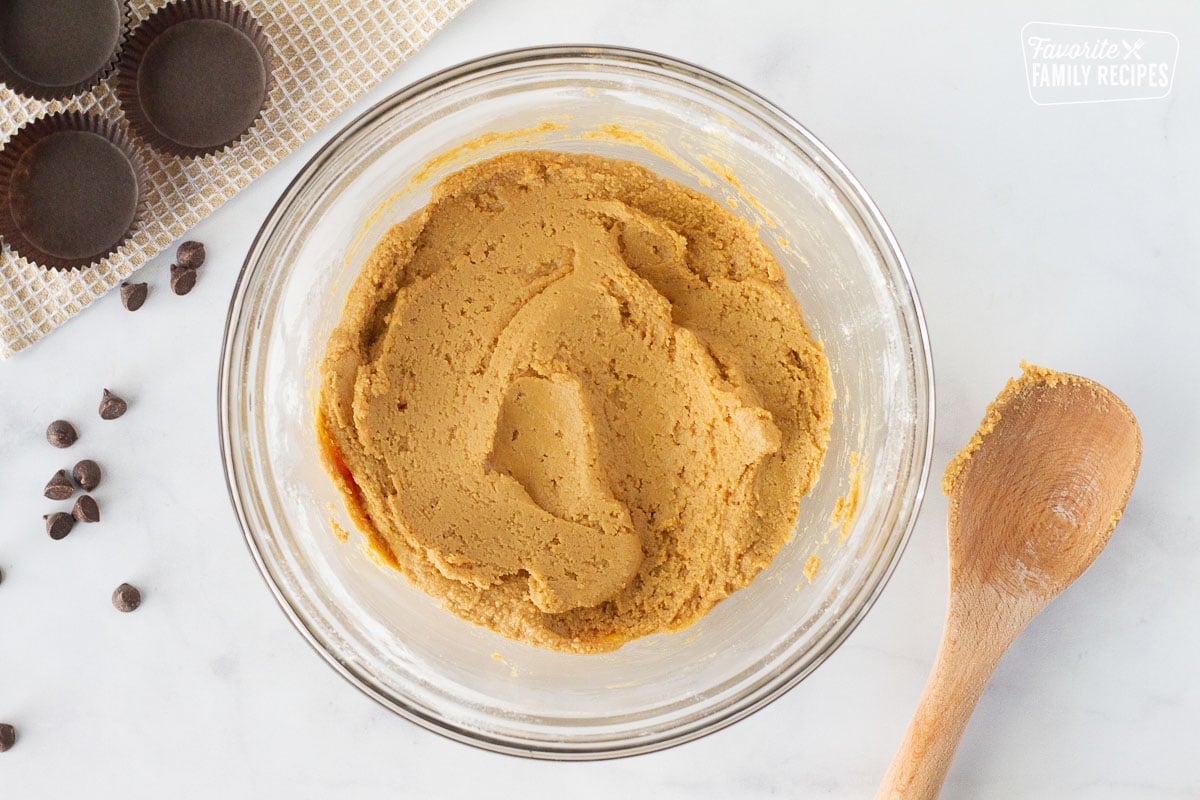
789, 129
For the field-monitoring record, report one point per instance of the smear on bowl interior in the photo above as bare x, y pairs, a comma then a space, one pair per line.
574, 401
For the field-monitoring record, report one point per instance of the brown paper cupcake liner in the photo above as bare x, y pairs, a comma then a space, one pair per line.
40, 91
140, 40
13, 172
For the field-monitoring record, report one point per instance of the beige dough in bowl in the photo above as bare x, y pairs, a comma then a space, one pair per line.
574, 401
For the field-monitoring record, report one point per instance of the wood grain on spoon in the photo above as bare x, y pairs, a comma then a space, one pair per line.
1034, 498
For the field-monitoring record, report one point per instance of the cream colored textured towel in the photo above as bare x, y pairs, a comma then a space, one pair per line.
327, 53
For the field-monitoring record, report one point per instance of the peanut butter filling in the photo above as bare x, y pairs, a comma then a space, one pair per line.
574, 401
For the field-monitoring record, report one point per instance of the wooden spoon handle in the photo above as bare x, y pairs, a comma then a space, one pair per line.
964, 665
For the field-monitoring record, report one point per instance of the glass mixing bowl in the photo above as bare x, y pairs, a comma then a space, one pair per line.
397, 644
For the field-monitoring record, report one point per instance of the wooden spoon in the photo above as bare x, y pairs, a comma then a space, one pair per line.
1034, 497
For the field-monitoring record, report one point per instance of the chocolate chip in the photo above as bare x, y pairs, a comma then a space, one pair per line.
133, 295
61, 433
86, 509
182, 279
190, 255
126, 598
59, 487
112, 406
59, 524
1, 576
86, 474
8, 736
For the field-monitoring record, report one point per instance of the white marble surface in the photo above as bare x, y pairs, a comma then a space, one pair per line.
1064, 235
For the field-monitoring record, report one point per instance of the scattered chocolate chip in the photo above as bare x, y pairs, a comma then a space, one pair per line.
59, 524
61, 433
183, 279
126, 598
8, 736
59, 487
1, 576
190, 255
86, 509
86, 474
112, 406
133, 295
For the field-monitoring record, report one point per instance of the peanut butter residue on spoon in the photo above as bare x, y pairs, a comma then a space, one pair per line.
575, 402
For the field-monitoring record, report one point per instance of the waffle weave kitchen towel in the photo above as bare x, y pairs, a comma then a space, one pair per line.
327, 53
